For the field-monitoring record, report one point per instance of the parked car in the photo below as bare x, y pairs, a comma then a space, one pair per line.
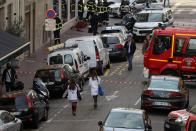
72, 56
115, 44
92, 46
115, 29
176, 120
8, 122
26, 106
165, 92
126, 119
149, 19
56, 77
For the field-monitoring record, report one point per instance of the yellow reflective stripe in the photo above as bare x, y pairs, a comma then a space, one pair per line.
178, 62
179, 34
172, 51
159, 60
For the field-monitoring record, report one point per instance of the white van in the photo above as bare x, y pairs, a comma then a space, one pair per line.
72, 56
92, 46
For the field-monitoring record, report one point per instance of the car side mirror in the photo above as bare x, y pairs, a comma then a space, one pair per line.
100, 123
87, 58
15, 120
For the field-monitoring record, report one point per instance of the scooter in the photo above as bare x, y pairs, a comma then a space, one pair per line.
42, 91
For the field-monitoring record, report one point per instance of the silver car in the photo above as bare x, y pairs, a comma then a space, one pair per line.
126, 119
9, 123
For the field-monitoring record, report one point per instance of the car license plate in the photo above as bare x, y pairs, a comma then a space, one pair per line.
161, 103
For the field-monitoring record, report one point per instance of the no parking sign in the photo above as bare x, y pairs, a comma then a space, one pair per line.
50, 14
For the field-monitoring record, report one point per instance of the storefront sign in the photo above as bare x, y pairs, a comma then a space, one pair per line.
50, 24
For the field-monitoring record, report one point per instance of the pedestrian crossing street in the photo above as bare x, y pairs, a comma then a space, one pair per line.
121, 67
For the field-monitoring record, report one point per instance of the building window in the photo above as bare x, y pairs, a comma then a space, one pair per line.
72, 8
64, 10
9, 14
2, 15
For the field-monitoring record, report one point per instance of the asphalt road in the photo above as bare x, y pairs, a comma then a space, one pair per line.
122, 89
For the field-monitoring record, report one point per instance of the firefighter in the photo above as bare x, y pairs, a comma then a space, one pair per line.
124, 8
91, 8
80, 10
106, 10
99, 10
58, 29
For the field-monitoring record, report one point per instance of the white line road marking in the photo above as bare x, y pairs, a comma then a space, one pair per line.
65, 106
138, 101
50, 120
113, 96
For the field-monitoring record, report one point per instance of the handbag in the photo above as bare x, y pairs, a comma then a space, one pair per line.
100, 90
78, 93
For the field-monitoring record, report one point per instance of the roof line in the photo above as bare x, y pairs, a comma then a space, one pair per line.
28, 43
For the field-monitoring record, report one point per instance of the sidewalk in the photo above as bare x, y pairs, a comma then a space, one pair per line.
29, 66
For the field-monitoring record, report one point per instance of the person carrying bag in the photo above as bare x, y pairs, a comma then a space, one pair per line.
94, 82
73, 95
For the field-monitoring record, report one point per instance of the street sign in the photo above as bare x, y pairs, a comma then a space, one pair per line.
50, 14
50, 24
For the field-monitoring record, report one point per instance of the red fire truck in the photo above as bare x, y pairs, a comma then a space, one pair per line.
171, 51
191, 123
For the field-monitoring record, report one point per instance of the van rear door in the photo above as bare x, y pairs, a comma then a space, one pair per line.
88, 49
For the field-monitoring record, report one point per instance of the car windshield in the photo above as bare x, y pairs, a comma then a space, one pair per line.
164, 84
110, 40
56, 60
51, 75
17, 103
124, 120
110, 31
144, 1
150, 17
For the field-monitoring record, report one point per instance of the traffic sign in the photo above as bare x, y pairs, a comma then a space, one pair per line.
50, 14
50, 24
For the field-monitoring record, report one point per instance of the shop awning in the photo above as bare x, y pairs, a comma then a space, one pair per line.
11, 47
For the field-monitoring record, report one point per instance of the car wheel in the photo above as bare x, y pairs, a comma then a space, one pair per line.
45, 118
108, 66
36, 122
101, 70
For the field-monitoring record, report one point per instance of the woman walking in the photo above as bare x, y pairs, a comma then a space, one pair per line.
72, 95
94, 81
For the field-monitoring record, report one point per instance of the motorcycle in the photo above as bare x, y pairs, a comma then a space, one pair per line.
40, 88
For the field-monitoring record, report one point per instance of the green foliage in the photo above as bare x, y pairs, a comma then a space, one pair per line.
16, 28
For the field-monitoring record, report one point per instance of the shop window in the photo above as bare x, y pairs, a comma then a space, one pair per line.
191, 50
72, 8
161, 44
